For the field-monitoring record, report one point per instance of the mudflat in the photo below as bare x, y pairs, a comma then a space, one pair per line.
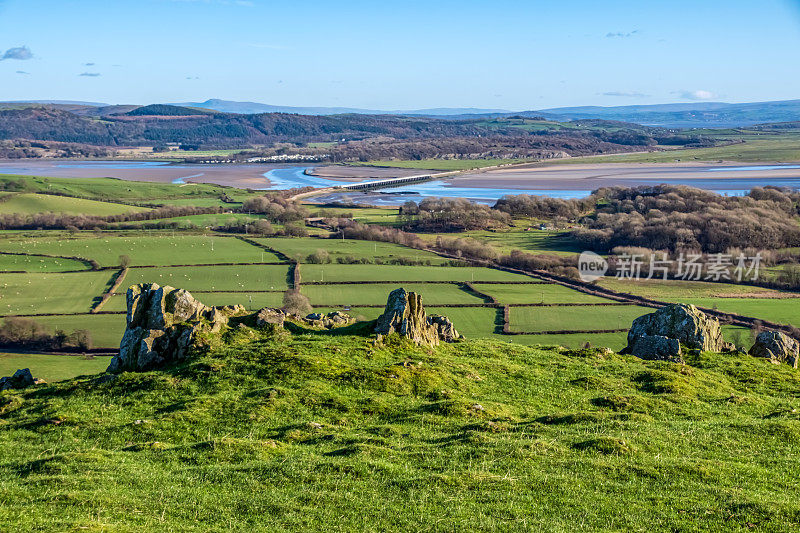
593, 176
242, 176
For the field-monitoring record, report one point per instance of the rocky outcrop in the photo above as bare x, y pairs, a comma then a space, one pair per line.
777, 347
21, 379
162, 323
657, 347
334, 319
405, 316
268, 315
677, 325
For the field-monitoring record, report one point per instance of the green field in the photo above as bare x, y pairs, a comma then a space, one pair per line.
46, 203
51, 293
758, 147
33, 263
376, 294
575, 318
163, 249
783, 311
314, 432
254, 300
342, 248
534, 293
106, 330
52, 367
672, 289
392, 273
472, 322
117, 189
213, 278
534, 241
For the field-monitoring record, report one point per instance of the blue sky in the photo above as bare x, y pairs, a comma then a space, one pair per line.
401, 55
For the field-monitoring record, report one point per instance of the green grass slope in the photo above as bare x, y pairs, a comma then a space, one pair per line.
46, 203
328, 432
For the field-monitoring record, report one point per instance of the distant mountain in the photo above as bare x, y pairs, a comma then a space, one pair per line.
252, 108
691, 115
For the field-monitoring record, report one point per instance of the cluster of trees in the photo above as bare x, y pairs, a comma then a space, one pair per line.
543, 207
668, 217
277, 209
445, 215
22, 149
19, 332
368, 136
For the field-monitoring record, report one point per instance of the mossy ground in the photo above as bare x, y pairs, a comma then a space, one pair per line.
319, 432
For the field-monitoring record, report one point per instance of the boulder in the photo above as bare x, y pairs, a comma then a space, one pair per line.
269, 315
334, 319
162, 323
21, 379
777, 347
685, 324
405, 316
657, 347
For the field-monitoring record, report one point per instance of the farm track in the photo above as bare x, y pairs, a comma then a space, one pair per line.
111, 291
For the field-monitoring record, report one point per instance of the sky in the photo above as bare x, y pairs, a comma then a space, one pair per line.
391, 55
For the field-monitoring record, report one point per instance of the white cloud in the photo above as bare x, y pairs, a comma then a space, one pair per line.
698, 94
89, 74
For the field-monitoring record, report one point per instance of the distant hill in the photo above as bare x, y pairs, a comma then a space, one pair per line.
680, 115
692, 115
166, 110
249, 108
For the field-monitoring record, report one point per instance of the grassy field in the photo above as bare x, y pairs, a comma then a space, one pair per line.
392, 273
106, 330
301, 248
672, 290
213, 278
476, 436
758, 147
117, 189
52, 367
163, 249
534, 241
575, 318
386, 216
51, 293
47, 203
201, 222
355, 295
547, 293
32, 263
785, 311
254, 300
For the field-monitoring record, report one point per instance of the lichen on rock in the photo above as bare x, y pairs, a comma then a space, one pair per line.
162, 323
661, 335
405, 315
777, 347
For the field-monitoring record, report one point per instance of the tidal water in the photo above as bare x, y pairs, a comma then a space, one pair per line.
293, 176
